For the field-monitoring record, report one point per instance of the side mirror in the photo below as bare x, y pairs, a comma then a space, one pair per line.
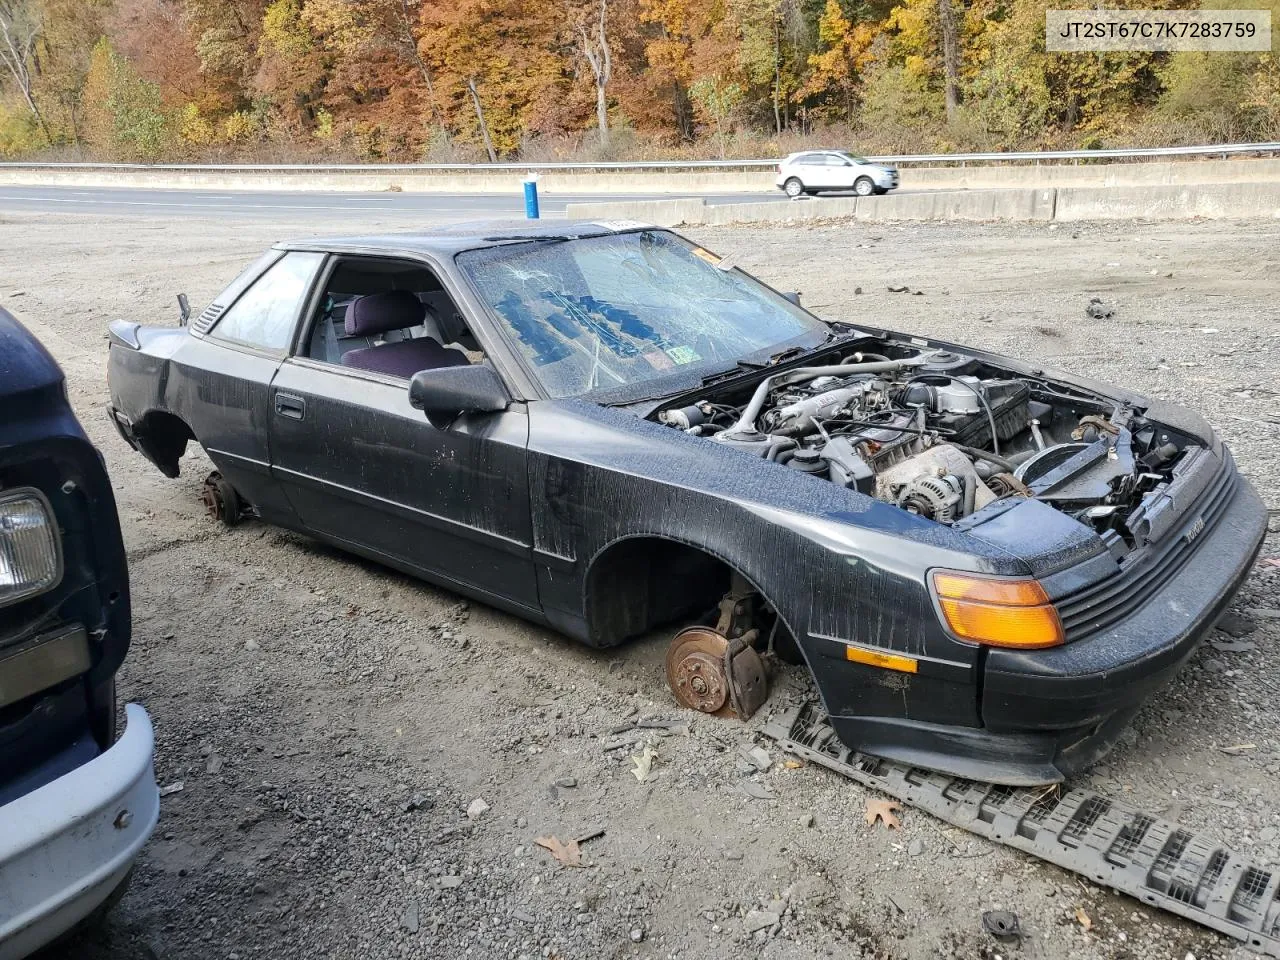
447, 392
184, 309
793, 296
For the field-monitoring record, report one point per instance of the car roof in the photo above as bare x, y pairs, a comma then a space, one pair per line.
448, 239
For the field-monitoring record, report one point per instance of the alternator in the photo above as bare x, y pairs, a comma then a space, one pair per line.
935, 498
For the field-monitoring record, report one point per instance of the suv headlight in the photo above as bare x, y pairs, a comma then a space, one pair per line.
30, 557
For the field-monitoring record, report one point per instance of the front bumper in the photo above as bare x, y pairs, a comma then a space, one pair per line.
1049, 714
65, 846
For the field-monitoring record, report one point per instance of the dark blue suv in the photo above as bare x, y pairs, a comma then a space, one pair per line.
78, 797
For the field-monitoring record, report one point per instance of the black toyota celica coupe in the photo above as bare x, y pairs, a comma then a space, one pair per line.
604, 427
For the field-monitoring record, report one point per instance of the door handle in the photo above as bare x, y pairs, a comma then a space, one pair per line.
287, 405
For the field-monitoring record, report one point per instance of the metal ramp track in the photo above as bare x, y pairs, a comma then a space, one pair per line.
1155, 861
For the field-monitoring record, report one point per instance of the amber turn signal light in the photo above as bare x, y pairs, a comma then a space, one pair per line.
998, 612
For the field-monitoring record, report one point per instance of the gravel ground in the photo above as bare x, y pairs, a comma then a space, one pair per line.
367, 761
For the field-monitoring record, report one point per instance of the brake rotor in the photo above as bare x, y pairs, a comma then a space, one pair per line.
696, 670
220, 499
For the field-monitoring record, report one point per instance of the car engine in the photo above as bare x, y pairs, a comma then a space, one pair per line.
943, 435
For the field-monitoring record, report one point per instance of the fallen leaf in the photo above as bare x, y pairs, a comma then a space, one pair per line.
756, 791
793, 764
1083, 918
1236, 749
644, 763
566, 854
886, 811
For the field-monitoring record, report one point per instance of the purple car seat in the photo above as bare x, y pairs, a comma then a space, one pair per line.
378, 313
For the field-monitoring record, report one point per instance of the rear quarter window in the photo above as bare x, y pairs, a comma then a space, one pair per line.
266, 314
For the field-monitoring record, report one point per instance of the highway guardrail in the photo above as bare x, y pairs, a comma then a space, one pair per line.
1040, 156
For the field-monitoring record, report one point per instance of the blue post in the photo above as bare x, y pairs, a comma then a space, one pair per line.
531, 196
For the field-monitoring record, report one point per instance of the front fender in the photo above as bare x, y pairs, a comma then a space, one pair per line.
833, 562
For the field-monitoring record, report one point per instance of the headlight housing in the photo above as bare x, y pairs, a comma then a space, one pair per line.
30, 548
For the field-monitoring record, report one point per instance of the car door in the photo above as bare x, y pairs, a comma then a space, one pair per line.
837, 172
365, 470
812, 171
223, 373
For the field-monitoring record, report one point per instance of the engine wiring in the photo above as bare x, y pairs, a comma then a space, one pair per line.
902, 429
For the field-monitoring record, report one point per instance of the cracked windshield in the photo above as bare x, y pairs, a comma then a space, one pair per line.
604, 313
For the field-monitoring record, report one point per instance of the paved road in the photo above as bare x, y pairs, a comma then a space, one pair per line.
293, 204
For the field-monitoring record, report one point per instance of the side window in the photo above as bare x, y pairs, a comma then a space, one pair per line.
265, 314
374, 311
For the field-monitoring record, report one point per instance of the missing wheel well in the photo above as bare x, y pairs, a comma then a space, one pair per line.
162, 438
642, 583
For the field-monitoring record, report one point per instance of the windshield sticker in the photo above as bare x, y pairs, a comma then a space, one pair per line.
706, 255
683, 355
659, 360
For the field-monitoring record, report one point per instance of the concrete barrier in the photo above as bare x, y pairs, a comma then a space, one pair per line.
1154, 202
1093, 174
1015, 204
1162, 202
662, 213
936, 205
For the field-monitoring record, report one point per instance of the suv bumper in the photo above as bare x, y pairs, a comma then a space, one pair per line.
66, 846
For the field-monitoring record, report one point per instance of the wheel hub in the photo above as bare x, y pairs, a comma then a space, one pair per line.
696, 670
211, 497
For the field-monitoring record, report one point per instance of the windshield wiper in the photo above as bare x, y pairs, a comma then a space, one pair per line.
787, 354
535, 238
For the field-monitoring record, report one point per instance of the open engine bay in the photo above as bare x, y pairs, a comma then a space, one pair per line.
944, 436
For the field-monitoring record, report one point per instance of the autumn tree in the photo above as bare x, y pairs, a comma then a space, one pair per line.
497, 67
225, 34
590, 25
681, 30
154, 36
20, 30
124, 113
718, 99
379, 85
950, 56
835, 71
292, 66
457, 79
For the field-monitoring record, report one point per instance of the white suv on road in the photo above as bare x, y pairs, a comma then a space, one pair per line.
816, 170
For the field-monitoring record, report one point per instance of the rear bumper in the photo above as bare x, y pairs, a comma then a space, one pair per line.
65, 846
1049, 714
123, 425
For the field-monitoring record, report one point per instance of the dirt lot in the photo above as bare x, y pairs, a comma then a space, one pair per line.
332, 721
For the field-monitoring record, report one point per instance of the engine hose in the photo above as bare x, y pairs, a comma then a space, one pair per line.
747, 422
984, 455
779, 447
